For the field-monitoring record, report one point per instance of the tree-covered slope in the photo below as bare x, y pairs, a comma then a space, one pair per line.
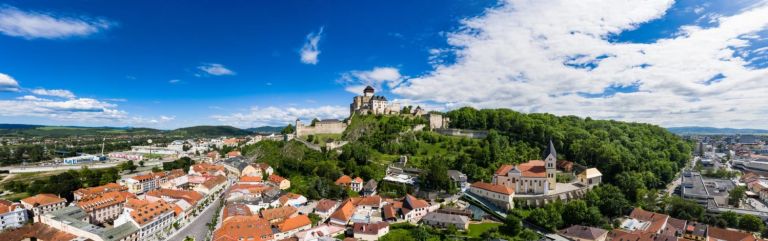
209, 131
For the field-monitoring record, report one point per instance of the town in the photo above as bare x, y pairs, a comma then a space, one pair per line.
234, 188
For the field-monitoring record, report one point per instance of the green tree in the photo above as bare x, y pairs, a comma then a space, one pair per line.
128, 166
512, 225
141, 163
609, 199
731, 219
751, 223
577, 212
288, 129
736, 195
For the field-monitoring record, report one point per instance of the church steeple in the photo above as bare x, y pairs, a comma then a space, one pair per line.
550, 150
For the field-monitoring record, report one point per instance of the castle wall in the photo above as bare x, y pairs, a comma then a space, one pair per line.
320, 128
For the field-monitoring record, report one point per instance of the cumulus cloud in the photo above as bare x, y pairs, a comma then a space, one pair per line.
356, 81
557, 57
215, 69
31, 25
8, 83
55, 93
310, 52
273, 115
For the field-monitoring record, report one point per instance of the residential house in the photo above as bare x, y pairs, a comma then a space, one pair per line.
696, 231
43, 203
590, 177
212, 185
343, 214
444, 220
291, 226
326, 207
500, 195
645, 221
277, 215
12, 215
720, 234
75, 221
232, 154
355, 184
279, 181
292, 199
584, 233
236, 165
370, 231
207, 169
369, 189
257, 169
183, 199
410, 209
143, 183
320, 233
458, 178
235, 209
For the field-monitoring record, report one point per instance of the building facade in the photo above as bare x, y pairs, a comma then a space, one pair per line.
369, 103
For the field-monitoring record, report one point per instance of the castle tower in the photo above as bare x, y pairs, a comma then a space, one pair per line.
550, 162
368, 91
298, 127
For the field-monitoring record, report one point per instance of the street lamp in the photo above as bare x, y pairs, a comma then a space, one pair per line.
149, 141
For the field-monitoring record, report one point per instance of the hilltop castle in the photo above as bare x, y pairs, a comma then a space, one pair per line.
368, 103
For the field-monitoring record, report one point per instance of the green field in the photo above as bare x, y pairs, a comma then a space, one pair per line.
477, 229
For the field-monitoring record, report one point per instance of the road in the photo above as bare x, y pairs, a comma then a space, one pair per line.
198, 228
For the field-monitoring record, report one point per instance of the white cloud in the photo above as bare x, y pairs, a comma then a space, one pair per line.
356, 81
55, 92
274, 115
310, 52
522, 54
215, 69
32, 25
8, 83
174, 81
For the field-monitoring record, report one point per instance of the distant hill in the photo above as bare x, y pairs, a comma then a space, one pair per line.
210, 131
700, 130
57, 131
266, 129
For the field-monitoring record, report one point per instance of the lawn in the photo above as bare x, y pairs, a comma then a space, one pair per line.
477, 229
15, 197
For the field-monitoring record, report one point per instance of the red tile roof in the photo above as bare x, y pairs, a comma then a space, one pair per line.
494, 188
191, 197
243, 228
343, 180
369, 228
278, 213
43, 199
294, 223
151, 211
275, 178
344, 212
325, 205
657, 220
236, 209
532, 168
719, 234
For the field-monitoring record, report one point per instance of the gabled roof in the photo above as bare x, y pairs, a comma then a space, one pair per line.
583, 232
720, 234
278, 213
215, 181
532, 168
343, 180
369, 228
43, 199
374, 201
276, 179
243, 227
151, 211
494, 188
344, 212
325, 205
236, 209
294, 223
446, 218
592, 172
412, 202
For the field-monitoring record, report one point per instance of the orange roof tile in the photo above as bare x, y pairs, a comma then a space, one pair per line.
278, 213
288, 196
96, 202
374, 201
236, 209
344, 212
43, 199
294, 223
494, 188
343, 180
150, 211
243, 228
83, 192
250, 179
720, 234
191, 197
215, 181
275, 178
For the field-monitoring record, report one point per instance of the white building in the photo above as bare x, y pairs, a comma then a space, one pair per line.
532, 177
150, 218
12, 215
43, 203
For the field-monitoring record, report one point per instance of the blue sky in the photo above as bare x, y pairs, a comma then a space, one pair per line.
168, 64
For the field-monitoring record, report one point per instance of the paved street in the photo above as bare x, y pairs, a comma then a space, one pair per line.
198, 228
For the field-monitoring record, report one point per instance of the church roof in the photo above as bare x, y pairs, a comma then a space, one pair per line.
368, 89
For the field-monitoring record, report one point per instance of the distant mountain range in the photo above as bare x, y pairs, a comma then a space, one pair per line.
193, 131
700, 130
